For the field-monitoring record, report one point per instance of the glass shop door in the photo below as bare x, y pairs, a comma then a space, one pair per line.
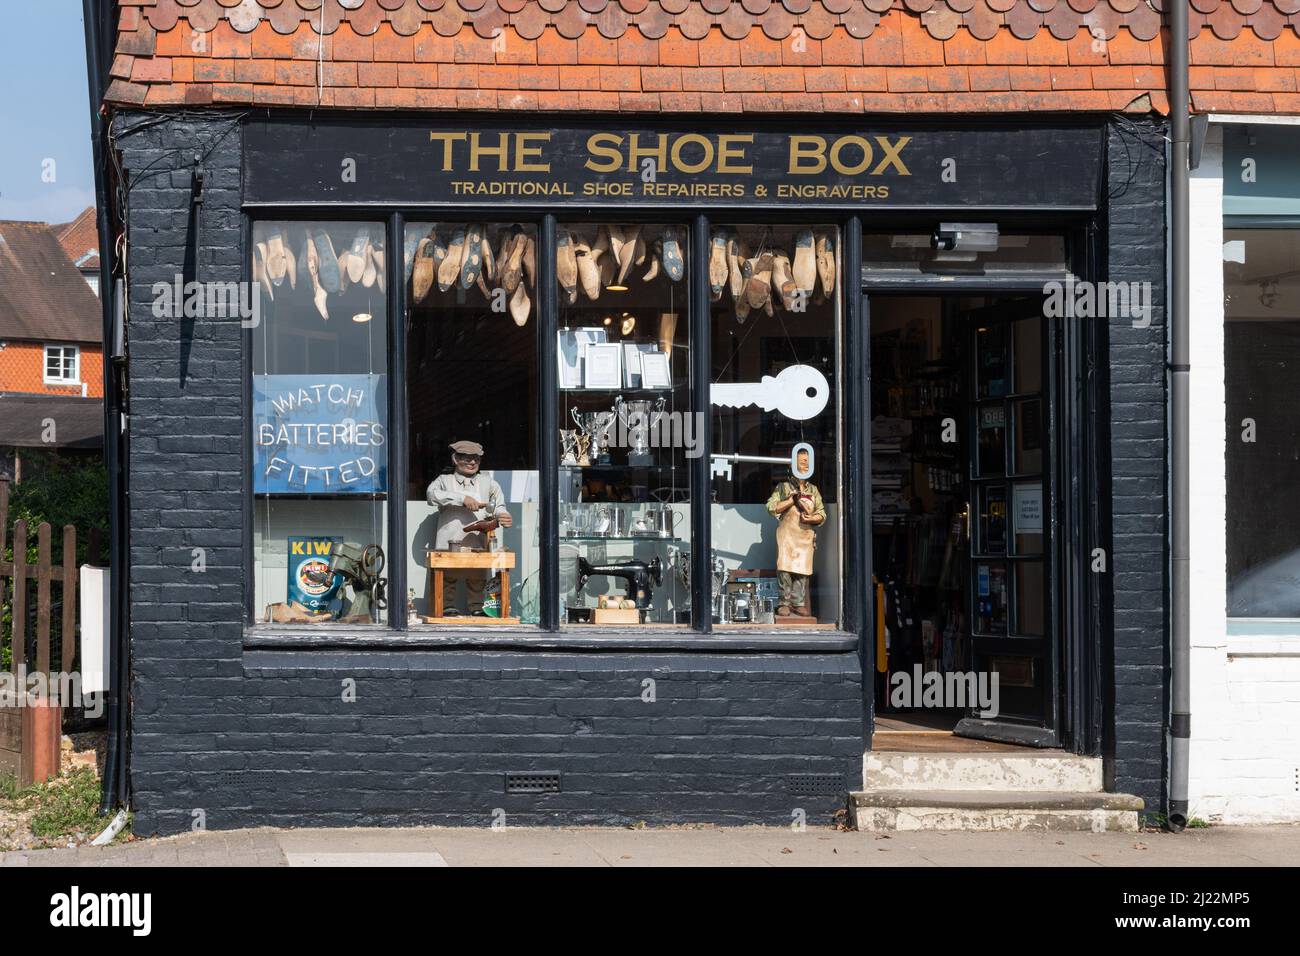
1013, 591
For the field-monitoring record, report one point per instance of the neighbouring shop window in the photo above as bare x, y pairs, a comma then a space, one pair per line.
1261, 285
625, 428
775, 406
320, 436
471, 372
61, 365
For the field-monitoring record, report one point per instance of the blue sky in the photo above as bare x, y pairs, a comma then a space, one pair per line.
44, 112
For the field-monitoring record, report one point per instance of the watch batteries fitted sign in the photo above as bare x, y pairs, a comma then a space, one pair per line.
602, 165
319, 435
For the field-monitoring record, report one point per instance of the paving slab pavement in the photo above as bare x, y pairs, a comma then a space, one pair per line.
697, 846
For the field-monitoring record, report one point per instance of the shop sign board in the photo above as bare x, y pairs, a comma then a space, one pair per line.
320, 434
303, 160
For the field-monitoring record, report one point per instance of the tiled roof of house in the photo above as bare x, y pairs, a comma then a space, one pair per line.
22, 418
42, 295
687, 55
80, 240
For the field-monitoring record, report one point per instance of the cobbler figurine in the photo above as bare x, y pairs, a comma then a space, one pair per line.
798, 505
470, 503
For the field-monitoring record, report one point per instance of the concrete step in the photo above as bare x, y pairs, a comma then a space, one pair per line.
885, 809
1034, 770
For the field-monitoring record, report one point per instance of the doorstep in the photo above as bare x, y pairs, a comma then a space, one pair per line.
1029, 790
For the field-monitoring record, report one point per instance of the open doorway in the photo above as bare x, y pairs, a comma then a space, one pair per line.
966, 631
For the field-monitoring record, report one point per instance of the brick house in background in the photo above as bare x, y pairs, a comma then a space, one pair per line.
51, 359
81, 242
1045, 121
50, 325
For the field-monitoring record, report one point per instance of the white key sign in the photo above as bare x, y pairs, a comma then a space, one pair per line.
798, 392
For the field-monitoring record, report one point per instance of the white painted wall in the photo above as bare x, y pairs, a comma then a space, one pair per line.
1245, 748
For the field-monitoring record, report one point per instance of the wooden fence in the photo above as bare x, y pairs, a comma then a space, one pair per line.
30, 735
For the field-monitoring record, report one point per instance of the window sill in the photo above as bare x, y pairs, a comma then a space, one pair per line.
1256, 637
1264, 627
426, 637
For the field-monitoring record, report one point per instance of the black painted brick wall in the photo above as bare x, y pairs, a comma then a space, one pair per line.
1137, 253
267, 738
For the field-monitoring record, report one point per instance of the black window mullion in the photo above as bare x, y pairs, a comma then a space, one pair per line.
855, 444
398, 464
246, 439
701, 375
548, 456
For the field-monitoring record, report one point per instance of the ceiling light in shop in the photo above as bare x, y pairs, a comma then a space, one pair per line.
615, 288
362, 317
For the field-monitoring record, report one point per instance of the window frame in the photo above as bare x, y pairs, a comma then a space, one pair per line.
1251, 625
549, 631
76, 363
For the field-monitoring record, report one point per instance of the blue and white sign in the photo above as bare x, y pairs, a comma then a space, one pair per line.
316, 434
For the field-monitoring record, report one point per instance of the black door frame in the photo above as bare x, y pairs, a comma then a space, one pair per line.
1082, 484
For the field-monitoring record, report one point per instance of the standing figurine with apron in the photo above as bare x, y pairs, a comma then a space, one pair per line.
799, 507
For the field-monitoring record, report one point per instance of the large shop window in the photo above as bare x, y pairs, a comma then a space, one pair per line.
320, 439
625, 425
471, 381
629, 425
775, 393
1261, 280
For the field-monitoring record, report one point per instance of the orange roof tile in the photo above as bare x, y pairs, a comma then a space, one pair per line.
688, 55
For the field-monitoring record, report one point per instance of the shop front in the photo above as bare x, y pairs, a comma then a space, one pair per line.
1245, 242
606, 470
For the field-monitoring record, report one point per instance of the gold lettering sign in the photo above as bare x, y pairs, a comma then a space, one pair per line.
848, 156
606, 145
527, 150
808, 155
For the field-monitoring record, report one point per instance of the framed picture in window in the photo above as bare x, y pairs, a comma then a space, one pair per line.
572, 346
603, 365
632, 352
655, 370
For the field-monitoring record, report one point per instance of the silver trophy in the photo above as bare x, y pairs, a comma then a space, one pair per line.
569, 446
639, 420
596, 426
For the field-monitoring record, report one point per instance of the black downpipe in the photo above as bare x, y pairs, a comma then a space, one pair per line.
99, 17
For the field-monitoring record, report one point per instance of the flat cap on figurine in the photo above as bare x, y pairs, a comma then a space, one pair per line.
467, 448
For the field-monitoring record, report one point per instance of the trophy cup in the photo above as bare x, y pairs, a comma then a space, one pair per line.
639, 419
569, 446
595, 427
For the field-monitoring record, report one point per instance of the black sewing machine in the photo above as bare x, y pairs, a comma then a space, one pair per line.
638, 574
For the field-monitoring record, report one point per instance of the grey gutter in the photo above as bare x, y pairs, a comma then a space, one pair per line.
1179, 738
